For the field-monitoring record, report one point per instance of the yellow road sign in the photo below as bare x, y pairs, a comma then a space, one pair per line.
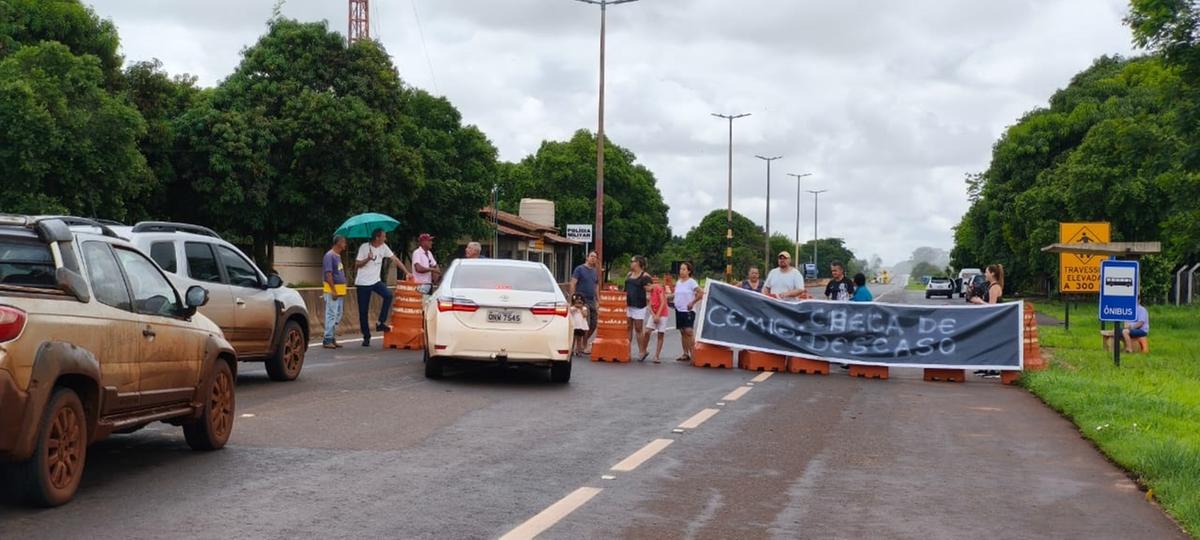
1079, 273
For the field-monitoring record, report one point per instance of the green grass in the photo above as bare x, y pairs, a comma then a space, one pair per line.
1145, 415
915, 286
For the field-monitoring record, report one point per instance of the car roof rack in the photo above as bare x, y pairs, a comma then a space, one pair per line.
75, 221
168, 226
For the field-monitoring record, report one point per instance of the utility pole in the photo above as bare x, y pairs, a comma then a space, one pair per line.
729, 209
360, 22
816, 196
798, 192
599, 227
768, 220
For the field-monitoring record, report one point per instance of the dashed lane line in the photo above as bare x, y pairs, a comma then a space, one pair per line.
552, 514
646, 452
763, 376
737, 393
699, 418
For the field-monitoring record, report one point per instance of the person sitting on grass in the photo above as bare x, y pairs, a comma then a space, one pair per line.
1137, 329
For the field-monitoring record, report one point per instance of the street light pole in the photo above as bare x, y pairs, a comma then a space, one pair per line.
768, 220
729, 208
816, 196
599, 232
798, 192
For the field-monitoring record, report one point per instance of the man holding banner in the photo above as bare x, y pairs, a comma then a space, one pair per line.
785, 282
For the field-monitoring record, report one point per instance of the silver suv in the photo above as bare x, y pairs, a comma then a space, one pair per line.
264, 320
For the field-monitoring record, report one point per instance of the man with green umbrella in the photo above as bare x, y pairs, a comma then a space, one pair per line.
369, 280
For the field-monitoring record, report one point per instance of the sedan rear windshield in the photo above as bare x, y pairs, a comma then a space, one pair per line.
502, 277
26, 264
939, 280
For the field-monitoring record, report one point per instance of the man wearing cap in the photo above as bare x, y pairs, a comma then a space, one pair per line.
369, 279
785, 282
425, 267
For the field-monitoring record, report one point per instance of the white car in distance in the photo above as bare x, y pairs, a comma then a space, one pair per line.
498, 311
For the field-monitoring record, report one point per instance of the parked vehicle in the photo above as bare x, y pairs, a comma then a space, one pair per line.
498, 311
939, 286
264, 320
95, 340
965, 278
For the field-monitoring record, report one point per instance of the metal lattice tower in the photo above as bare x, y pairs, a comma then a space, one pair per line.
360, 17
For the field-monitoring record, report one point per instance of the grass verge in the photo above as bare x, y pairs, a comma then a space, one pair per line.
1145, 415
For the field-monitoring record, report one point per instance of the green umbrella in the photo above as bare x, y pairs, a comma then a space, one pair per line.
360, 226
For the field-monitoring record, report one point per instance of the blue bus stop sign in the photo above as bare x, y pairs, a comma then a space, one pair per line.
1118, 290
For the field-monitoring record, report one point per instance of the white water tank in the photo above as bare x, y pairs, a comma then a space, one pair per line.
539, 211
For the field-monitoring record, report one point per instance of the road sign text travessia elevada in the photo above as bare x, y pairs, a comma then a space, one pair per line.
1078, 272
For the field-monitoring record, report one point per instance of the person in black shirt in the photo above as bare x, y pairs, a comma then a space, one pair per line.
637, 285
840, 288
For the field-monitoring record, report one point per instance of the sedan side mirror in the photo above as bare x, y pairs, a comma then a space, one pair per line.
195, 297
274, 281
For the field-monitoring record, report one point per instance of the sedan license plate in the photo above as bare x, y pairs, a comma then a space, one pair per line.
501, 316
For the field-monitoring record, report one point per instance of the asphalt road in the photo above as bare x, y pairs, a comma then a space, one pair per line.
362, 446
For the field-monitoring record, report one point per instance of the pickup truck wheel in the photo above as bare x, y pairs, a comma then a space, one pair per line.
51, 476
286, 364
560, 372
212, 429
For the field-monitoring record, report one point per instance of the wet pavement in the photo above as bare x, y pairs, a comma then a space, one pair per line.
362, 445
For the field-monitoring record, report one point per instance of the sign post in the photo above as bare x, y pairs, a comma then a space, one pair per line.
581, 232
1118, 298
1079, 273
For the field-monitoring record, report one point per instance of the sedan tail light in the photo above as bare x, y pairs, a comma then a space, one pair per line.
550, 308
457, 304
12, 322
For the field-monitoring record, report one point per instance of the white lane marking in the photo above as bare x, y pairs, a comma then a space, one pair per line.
608, 477
763, 376
247, 415
739, 392
720, 403
699, 418
637, 458
353, 340
552, 514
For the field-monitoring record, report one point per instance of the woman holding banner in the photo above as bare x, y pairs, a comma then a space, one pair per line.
993, 290
687, 294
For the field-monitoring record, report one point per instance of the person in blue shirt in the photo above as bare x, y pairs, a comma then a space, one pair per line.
1137, 329
861, 292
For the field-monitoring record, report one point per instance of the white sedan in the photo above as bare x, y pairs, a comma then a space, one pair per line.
498, 311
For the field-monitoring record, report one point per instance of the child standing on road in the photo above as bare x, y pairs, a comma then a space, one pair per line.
657, 321
579, 320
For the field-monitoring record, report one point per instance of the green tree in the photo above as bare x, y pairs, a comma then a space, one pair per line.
635, 216
828, 251
161, 99
704, 244
69, 22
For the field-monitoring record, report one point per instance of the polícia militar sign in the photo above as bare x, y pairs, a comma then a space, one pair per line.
869, 333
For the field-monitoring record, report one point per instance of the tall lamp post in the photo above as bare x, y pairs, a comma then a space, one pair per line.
599, 233
816, 197
729, 208
768, 224
798, 192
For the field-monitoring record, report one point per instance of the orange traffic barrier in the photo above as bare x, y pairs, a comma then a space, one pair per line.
761, 361
946, 375
408, 330
869, 372
612, 329
796, 364
1032, 348
712, 356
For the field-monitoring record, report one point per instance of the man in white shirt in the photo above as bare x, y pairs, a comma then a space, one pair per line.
785, 282
369, 279
425, 267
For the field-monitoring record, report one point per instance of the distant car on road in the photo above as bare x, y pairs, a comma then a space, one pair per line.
498, 311
264, 320
95, 340
939, 286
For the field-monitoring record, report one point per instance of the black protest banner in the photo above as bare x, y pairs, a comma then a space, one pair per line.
959, 337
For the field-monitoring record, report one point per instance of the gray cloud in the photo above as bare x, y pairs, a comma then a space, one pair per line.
887, 103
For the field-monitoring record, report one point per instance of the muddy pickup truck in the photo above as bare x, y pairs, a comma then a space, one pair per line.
94, 340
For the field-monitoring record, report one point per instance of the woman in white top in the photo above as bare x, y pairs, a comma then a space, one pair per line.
687, 295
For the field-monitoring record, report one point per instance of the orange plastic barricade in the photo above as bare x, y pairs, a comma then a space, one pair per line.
869, 372
712, 356
612, 329
761, 361
1033, 348
408, 331
946, 375
797, 364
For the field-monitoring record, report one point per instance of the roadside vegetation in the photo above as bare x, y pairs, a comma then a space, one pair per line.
1145, 414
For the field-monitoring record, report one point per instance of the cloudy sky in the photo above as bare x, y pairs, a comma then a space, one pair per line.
886, 103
